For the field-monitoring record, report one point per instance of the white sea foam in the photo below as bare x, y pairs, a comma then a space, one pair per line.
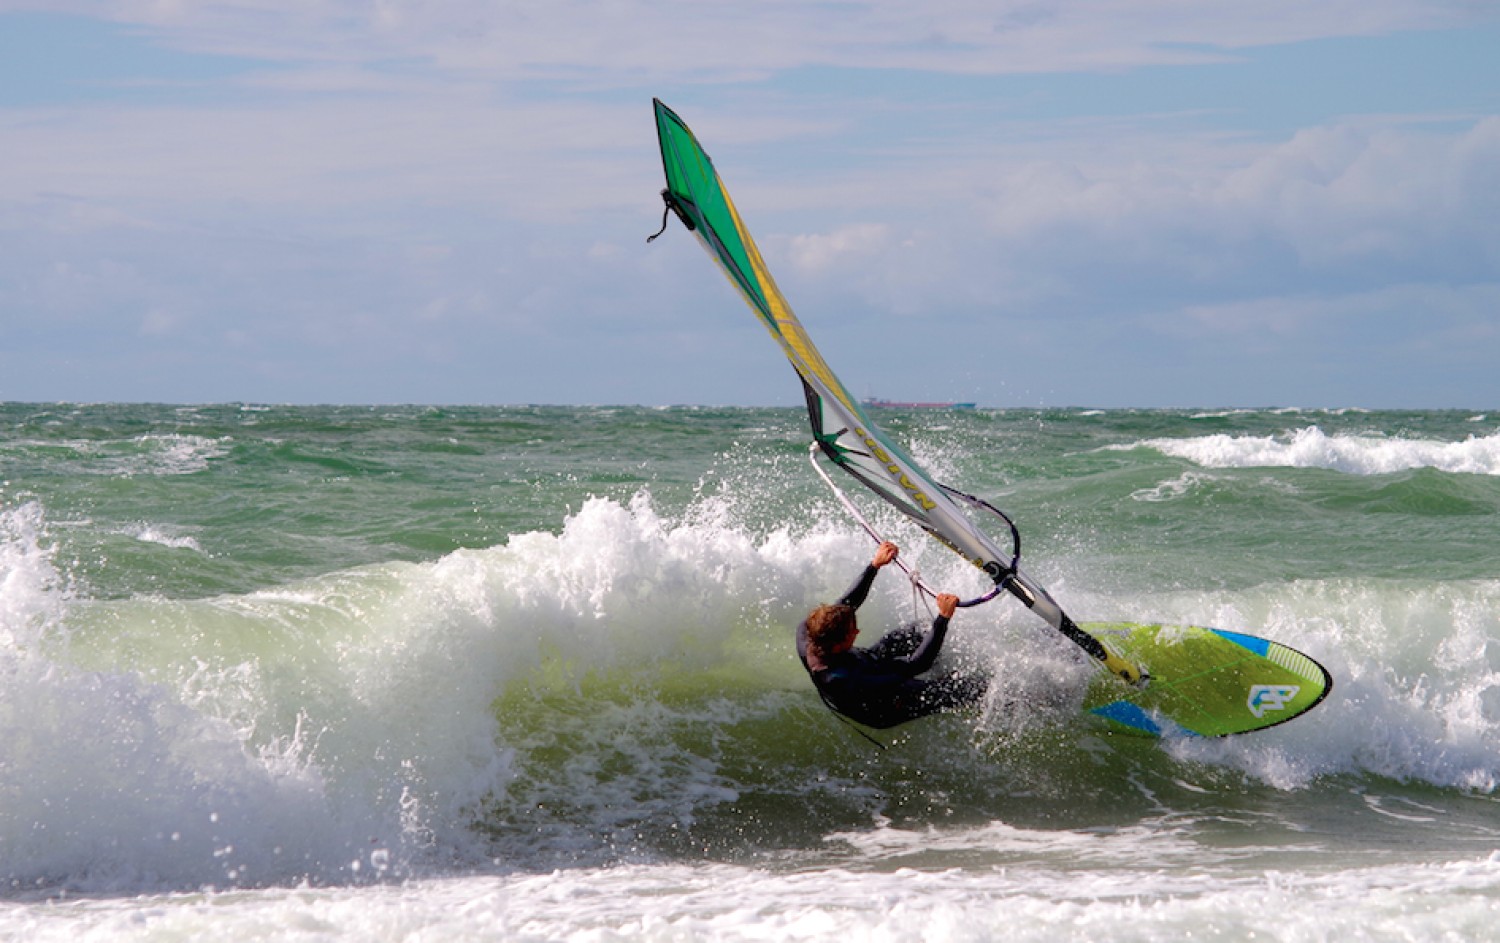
173, 454
32, 592
165, 535
153, 454
1452, 900
1311, 447
1183, 484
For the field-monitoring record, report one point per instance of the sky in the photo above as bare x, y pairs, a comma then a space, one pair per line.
1039, 203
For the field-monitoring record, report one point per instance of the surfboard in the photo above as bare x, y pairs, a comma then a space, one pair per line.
1203, 682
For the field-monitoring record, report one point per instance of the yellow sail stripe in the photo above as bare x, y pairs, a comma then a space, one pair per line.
790, 333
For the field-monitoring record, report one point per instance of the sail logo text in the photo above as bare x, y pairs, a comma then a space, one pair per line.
884, 458
1270, 697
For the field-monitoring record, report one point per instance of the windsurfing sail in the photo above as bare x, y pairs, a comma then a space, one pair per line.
841, 429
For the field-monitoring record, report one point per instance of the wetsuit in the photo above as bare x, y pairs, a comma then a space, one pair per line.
878, 686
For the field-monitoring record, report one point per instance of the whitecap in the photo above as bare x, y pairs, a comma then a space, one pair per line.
1182, 485
165, 535
1311, 447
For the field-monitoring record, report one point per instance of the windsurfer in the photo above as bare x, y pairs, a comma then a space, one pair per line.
878, 686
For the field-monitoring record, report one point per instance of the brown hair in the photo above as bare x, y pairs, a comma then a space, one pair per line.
827, 626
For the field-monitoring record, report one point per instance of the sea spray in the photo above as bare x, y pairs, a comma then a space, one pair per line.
32, 592
108, 778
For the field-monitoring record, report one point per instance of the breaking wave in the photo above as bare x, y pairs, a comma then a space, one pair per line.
1311, 447
623, 690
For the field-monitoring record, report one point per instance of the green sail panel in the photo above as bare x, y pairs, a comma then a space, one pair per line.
698, 197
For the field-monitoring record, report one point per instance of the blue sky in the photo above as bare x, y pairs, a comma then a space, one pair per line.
1037, 203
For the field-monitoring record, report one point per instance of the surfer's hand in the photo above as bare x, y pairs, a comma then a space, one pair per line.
884, 554
947, 604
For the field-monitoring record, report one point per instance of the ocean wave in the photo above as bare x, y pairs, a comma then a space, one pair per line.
163, 535
1311, 447
152, 454
1172, 490
624, 690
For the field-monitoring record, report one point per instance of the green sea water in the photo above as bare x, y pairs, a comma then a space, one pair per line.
452, 666
273, 493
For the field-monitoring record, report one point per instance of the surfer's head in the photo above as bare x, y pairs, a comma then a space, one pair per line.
831, 629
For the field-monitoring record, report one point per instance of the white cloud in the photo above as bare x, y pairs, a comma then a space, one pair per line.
646, 39
532, 160
1366, 205
816, 252
1342, 193
1439, 313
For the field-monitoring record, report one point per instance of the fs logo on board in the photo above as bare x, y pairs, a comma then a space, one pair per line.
1270, 697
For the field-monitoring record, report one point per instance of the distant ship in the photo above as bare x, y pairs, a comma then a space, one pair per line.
893, 404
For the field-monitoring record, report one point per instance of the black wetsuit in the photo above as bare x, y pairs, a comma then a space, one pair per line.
878, 686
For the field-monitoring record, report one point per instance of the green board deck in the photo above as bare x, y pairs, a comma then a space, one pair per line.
1203, 682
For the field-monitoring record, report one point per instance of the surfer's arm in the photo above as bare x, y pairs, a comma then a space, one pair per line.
926, 653
861, 588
